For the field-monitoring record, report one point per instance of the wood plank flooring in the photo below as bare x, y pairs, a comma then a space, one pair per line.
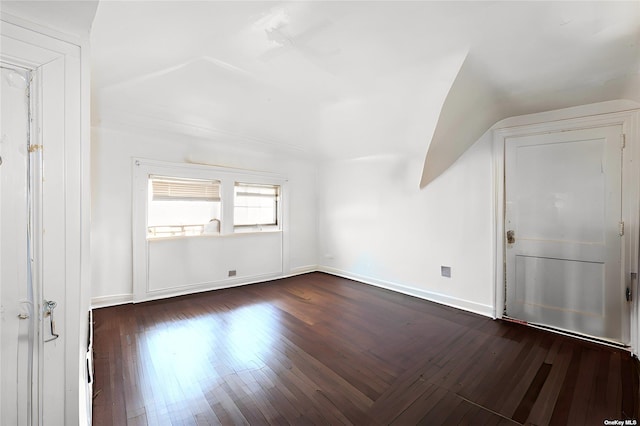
318, 349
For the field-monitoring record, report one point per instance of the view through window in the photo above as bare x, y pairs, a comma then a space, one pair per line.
182, 207
255, 206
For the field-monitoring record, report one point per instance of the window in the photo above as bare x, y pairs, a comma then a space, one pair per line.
181, 207
255, 206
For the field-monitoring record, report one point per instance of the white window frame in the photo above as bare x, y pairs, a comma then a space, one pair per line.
143, 168
259, 227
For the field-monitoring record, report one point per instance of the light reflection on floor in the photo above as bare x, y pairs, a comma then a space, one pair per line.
242, 338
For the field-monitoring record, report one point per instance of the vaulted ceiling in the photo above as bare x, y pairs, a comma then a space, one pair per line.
338, 79
328, 78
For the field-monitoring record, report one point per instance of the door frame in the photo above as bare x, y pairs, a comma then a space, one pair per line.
61, 64
584, 117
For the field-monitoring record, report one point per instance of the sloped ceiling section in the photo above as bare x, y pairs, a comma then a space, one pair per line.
472, 105
72, 17
354, 79
592, 55
322, 79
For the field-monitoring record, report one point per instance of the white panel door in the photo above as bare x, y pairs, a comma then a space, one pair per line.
16, 310
562, 231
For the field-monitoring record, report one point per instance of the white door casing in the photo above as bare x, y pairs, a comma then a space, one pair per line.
563, 219
606, 114
60, 215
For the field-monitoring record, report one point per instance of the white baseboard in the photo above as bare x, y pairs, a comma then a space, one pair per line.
104, 301
465, 305
206, 286
121, 299
443, 299
301, 270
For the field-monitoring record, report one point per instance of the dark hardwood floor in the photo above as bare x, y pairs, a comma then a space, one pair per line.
317, 349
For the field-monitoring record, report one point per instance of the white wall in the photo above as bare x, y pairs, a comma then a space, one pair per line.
177, 265
372, 220
377, 225
363, 218
112, 151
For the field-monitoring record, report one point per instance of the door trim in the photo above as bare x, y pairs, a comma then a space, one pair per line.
589, 116
61, 64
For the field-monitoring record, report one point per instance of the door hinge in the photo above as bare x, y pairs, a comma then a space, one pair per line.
621, 229
623, 141
628, 295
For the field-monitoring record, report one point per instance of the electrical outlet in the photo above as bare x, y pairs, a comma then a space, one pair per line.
232, 273
445, 271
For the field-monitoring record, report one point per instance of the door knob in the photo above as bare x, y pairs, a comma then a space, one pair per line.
511, 237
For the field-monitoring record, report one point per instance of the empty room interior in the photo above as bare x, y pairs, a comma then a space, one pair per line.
319, 212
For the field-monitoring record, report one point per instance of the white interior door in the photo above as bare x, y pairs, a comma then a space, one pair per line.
16, 297
563, 248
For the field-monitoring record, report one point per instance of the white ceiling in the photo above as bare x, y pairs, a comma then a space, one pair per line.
336, 79
67, 16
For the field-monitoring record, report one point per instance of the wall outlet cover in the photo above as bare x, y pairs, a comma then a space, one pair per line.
445, 271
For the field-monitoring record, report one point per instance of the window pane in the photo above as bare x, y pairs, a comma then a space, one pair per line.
183, 207
256, 205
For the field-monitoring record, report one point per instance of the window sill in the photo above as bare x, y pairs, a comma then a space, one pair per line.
236, 233
255, 229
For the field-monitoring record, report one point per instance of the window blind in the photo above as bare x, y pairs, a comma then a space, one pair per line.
255, 190
176, 189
